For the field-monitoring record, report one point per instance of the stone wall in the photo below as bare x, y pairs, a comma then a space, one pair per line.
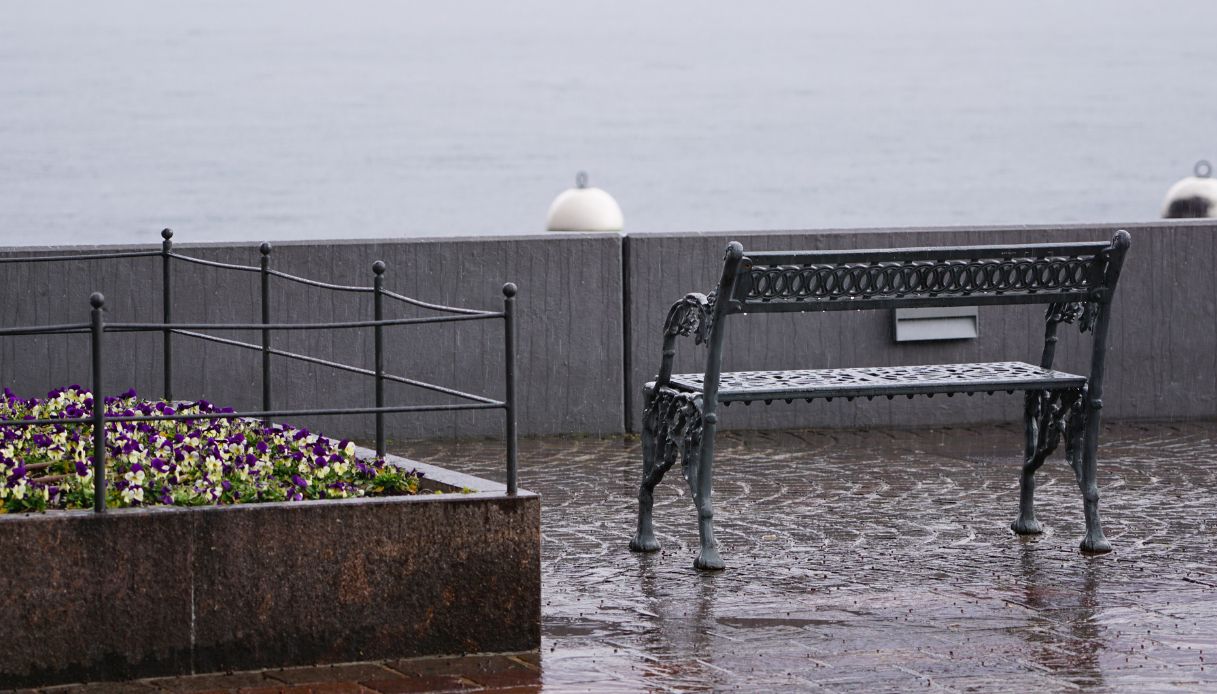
591, 307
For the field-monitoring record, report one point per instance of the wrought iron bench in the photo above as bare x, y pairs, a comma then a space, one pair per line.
1075, 280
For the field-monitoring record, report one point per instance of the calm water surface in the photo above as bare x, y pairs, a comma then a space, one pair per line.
276, 120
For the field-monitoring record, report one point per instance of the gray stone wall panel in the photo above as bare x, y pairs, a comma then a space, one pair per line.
569, 328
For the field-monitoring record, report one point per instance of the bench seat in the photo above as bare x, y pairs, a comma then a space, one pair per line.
748, 386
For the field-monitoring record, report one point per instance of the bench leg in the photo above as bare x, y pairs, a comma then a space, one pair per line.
1084, 460
1026, 524
1047, 415
671, 425
702, 484
644, 540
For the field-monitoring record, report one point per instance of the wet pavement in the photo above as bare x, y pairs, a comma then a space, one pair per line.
857, 561
878, 561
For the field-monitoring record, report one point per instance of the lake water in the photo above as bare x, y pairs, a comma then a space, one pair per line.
229, 119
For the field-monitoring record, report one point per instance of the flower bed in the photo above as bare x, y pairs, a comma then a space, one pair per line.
175, 462
183, 577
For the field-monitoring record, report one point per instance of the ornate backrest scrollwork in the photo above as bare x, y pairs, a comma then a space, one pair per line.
692, 315
835, 280
1092, 313
1084, 313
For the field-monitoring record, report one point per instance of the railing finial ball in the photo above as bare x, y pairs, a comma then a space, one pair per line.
166, 233
378, 267
509, 289
97, 300
265, 248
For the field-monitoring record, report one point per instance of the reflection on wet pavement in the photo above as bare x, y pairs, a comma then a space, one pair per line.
876, 561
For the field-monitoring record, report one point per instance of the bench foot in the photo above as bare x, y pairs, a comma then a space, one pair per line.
644, 541
1027, 526
1095, 545
1082, 455
708, 560
1094, 542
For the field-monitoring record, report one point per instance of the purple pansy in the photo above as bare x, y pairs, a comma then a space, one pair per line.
169, 462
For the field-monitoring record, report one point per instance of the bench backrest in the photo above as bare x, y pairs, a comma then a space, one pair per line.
1076, 280
911, 277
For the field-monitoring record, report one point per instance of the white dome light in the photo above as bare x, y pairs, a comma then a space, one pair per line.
584, 209
1194, 196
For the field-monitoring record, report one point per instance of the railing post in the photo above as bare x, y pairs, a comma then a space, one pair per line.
167, 311
378, 284
509, 357
99, 407
265, 273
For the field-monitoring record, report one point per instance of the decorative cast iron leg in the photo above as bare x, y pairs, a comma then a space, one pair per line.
645, 540
1026, 524
708, 558
1085, 465
671, 423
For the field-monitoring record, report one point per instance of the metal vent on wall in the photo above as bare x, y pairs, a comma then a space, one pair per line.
939, 323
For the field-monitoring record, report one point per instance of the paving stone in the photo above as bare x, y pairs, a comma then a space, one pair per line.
332, 688
208, 683
459, 665
505, 678
425, 683
315, 688
102, 688
354, 672
530, 660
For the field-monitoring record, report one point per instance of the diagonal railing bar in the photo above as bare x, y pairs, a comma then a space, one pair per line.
438, 307
137, 327
254, 414
64, 329
340, 366
83, 256
318, 283
213, 263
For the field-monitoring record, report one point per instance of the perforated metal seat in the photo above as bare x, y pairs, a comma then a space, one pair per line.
887, 381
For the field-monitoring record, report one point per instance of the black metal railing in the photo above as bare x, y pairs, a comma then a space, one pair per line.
97, 327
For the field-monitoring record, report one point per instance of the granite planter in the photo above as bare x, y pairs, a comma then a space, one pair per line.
165, 591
